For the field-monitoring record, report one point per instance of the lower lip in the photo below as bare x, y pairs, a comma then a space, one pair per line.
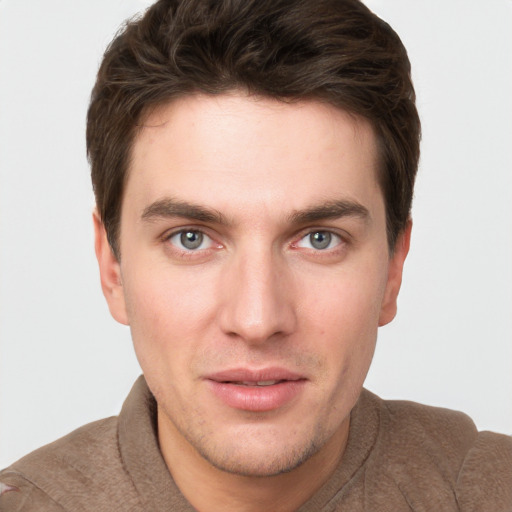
257, 398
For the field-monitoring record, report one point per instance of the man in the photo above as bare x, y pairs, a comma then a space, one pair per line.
253, 165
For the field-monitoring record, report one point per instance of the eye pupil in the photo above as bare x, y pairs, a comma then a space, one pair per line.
191, 239
320, 239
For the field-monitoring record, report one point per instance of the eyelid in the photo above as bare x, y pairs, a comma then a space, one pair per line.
343, 235
170, 233
204, 240
335, 238
333, 243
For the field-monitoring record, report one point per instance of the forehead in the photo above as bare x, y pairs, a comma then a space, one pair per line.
236, 152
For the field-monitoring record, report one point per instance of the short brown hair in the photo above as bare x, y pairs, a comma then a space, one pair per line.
336, 51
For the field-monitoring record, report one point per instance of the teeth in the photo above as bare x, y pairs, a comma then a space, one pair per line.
259, 383
267, 382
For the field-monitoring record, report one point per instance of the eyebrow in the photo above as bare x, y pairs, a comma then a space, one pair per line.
168, 208
331, 210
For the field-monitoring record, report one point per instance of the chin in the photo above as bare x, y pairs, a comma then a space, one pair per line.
250, 464
244, 455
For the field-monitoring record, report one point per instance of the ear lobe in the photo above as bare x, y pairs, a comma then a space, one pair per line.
110, 272
395, 271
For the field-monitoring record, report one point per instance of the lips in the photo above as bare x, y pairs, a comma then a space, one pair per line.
257, 391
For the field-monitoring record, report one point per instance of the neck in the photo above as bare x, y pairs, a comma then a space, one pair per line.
209, 489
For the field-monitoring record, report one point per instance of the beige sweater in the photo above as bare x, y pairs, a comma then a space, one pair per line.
400, 456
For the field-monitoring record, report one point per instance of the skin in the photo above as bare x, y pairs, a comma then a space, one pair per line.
255, 178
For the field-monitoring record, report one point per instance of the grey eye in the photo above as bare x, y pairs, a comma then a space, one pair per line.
320, 239
191, 239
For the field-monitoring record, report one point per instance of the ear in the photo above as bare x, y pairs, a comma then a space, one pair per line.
110, 272
395, 270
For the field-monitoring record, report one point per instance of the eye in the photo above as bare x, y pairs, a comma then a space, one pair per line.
319, 240
190, 240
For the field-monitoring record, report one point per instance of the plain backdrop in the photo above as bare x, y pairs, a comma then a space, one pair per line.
65, 362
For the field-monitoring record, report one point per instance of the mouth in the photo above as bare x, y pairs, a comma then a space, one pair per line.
256, 391
255, 384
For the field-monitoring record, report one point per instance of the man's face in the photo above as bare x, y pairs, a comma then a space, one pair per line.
254, 273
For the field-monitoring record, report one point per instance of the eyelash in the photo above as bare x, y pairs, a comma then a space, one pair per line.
328, 253
329, 236
190, 253
340, 244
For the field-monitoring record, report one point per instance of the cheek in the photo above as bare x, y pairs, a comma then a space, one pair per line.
348, 302
345, 316
349, 339
166, 314
160, 298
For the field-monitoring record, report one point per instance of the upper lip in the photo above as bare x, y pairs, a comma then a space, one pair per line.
254, 375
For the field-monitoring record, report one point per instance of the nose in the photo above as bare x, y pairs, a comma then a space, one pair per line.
258, 300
